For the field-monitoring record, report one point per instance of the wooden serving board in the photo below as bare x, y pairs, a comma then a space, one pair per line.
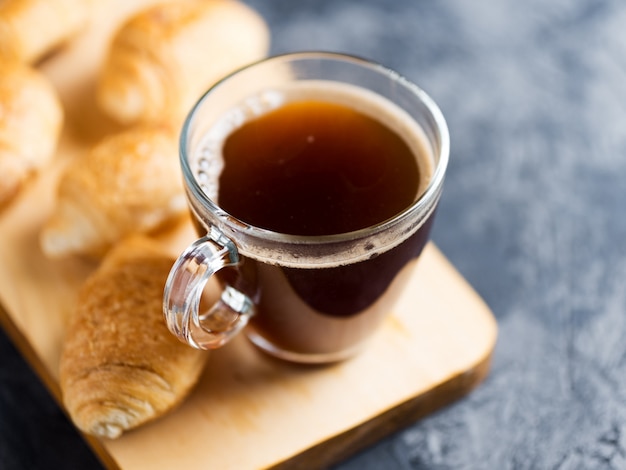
248, 411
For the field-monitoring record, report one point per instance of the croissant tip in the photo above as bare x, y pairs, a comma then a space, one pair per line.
54, 243
61, 236
107, 430
123, 101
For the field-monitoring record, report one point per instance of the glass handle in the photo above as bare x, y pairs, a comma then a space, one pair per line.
184, 289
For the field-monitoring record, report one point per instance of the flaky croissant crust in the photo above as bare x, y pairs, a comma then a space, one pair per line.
165, 57
128, 183
31, 118
120, 366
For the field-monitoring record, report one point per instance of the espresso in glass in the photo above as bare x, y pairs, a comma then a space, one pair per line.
318, 159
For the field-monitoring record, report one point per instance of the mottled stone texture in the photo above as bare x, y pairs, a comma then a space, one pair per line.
533, 216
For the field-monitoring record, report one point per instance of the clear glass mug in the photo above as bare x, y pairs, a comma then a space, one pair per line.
308, 299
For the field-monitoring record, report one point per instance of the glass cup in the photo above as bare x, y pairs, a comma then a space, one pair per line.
303, 298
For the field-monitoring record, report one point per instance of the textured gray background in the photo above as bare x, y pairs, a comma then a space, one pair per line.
532, 215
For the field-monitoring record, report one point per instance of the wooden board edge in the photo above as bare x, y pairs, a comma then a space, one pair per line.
346, 444
324, 454
32, 359
338, 447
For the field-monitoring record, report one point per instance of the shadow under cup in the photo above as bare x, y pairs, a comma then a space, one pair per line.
308, 299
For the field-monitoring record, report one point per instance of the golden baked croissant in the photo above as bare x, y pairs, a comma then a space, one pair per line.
130, 182
165, 57
29, 29
31, 117
120, 366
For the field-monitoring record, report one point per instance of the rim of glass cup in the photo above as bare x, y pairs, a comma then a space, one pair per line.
428, 196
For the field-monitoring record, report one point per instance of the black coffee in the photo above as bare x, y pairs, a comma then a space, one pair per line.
316, 168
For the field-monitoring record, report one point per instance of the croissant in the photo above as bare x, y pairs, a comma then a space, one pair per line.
31, 117
165, 57
130, 182
29, 29
120, 366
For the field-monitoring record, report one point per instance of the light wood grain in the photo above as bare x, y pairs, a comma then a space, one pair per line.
249, 411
